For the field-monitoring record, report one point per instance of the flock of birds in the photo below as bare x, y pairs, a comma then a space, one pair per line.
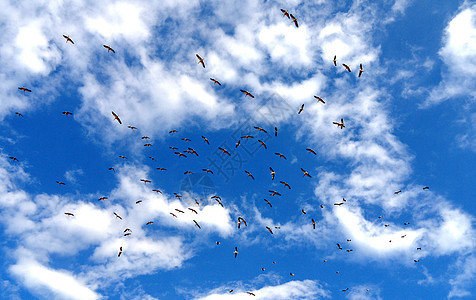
190, 151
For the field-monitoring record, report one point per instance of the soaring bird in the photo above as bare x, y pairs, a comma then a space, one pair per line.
127, 229
345, 290
305, 173
274, 193
313, 224
219, 202
19, 114
303, 211
109, 49
162, 169
301, 109
68, 39
173, 131
112, 169
426, 188
24, 89
338, 246
206, 140
269, 229
117, 216
262, 144
193, 210
361, 70
13, 158
173, 215
208, 171
200, 60
349, 250
250, 293
102, 198
173, 148
122, 156
60, 183
116, 117
69, 214
419, 248
347, 67
179, 210
247, 93
120, 251
273, 173
247, 137
285, 13
138, 201
147, 145
280, 155
260, 129
285, 184
416, 260
340, 124
145, 181
249, 174
238, 143
275, 131
294, 20
127, 234
215, 81
241, 220
193, 151
150, 222
224, 151
178, 196
339, 204
145, 138
196, 224
406, 223
320, 99
398, 192
157, 191
236, 251
132, 127
335, 60
312, 151
67, 113
180, 154
269, 203
187, 172
186, 140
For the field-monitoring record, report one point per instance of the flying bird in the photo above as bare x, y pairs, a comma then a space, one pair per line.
150, 222
406, 223
303, 211
193, 210
275, 131
122, 156
208, 171
247, 93
13, 158
335, 60
173, 215
68, 39
416, 260
215, 81
320, 99
262, 144
305, 173
24, 89
147, 145
238, 143
69, 214
241, 220
250, 293
173, 131
67, 113
19, 114
269, 229
177, 195
273, 173
180, 154
398, 192
116, 117
60, 183
321, 206
274, 193
224, 151
138, 201
117, 216
180, 211
162, 169
340, 124
145, 138
312, 151
197, 224
269, 203
157, 191
236, 251
301, 109
285, 184
247, 137
426, 188
338, 246
280, 155
260, 129
313, 224
294, 20
347, 67
145, 181
345, 290
200, 60
206, 140
127, 229
187, 172
249, 174
173, 148
109, 49
132, 127
187, 140
127, 234
285, 13
361, 70
102, 198
339, 204
193, 151
112, 169
120, 252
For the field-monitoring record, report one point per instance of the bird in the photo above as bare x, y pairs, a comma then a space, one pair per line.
109, 49
249, 174
340, 124
426, 188
285, 13
398, 192
238, 143
320, 99
145, 138
219, 202
301, 109
280, 155
335, 60
294, 20
247, 93
186, 140
269, 229
19, 114
157, 191
419, 248
122, 156
177, 195
303, 211
311, 150
161, 169
180, 211
102, 198
215, 81
349, 240
273, 173
193, 210
138, 201
224, 151
132, 127
241, 220
361, 70
117, 216
313, 224
406, 223
197, 224
236, 251
269, 203
120, 251
205, 140
386, 225
112, 169
67, 113
305, 173
187, 172
173, 131
145, 181
218, 243
250, 293
416, 260
291, 274
275, 131
274, 193
173, 148
345, 290
173, 215
148, 223
180, 154
60, 183
193, 151
127, 229
339, 204
13, 158
208, 171
127, 234
349, 250
347, 67
197, 202
24, 89
260, 129
263, 269
285, 184
338, 246
263, 144
344, 200
247, 137
147, 145
69, 214
116, 117
321, 206
200, 60
68, 39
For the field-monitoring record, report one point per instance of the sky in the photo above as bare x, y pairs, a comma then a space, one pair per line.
391, 194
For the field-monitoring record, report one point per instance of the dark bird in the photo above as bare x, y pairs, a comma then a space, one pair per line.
340, 124
102, 198
127, 234
269, 229
117, 216
147, 145
13, 158
19, 114
218, 243
416, 260
145, 138
273, 173
247, 93
335, 60
386, 225
132, 127
291, 274
193, 151
280, 155
406, 223
68, 39
274, 193
241, 220
162, 169
320, 99
339, 204
345, 290
138, 201
338, 246
206, 140
109, 49
236, 251
361, 70
180, 211
312, 151
224, 151
260, 129
301, 109
250, 293
313, 224
177, 195
303, 211
173, 148
122, 156
67, 113
187, 172
197, 224
262, 144
60, 183
294, 20
249, 174
193, 210
419, 248
215, 81
127, 229
180, 154
145, 181
269, 203
120, 251
285, 184
349, 250
116, 117
173, 131
305, 173
426, 188
157, 191
24, 89
186, 140
69, 214
173, 215
208, 171
200, 60
285, 13
238, 143
347, 67
275, 131
150, 222
247, 137
398, 192
112, 169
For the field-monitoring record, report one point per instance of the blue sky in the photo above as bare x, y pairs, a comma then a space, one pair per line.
409, 123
